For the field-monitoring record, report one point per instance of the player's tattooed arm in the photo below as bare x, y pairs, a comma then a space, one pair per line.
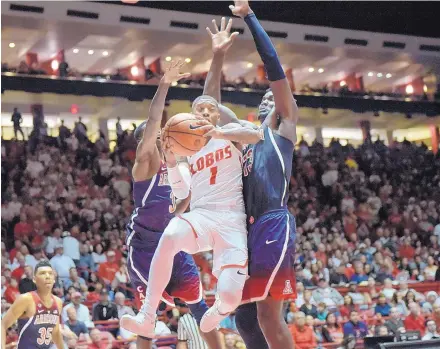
17, 309
147, 146
222, 39
237, 134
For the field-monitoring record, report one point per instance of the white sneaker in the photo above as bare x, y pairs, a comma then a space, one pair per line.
212, 318
142, 324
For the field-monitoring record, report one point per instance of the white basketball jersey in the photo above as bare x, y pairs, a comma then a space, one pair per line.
216, 182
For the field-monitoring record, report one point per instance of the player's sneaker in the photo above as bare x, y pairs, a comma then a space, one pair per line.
212, 318
142, 324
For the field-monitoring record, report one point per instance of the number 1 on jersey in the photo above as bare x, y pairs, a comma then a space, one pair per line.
213, 175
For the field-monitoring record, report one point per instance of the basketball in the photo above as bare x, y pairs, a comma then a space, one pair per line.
180, 135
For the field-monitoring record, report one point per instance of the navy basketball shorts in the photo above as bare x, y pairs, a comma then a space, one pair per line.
184, 284
271, 247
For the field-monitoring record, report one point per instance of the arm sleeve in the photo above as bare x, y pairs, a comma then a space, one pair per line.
180, 180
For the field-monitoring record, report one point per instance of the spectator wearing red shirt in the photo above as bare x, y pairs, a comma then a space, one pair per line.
11, 292
18, 272
415, 321
99, 340
406, 250
13, 253
23, 230
108, 270
303, 335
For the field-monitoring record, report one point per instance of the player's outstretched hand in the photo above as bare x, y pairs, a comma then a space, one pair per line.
221, 39
168, 154
240, 8
172, 72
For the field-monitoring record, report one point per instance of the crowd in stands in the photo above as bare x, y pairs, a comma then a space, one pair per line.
368, 235
198, 80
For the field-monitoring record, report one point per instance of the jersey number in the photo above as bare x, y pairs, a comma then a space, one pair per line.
45, 336
213, 175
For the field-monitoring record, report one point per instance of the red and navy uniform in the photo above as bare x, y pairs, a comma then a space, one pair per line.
36, 332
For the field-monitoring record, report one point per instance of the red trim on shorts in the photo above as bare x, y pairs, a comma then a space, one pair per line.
192, 227
235, 266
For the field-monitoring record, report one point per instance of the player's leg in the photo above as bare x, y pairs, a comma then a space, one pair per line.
144, 343
178, 236
273, 325
246, 319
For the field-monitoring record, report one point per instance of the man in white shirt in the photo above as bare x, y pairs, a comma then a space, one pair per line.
188, 334
431, 331
54, 241
82, 312
62, 263
71, 246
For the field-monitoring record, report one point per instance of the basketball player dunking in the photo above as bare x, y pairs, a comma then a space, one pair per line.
216, 221
38, 314
267, 167
155, 207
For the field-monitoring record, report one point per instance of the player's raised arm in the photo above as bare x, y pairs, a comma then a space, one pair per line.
17, 309
284, 102
147, 144
221, 41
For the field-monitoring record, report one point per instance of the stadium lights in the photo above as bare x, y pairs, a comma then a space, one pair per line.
54, 64
188, 60
342, 83
174, 83
168, 59
379, 75
11, 45
105, 53
370, 73
75, 50
249, 65
134, 71
425, 88
409, 89
90, 52
388, 75
320, 70
311, 70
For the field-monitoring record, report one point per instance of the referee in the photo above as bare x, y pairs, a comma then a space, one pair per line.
188, 335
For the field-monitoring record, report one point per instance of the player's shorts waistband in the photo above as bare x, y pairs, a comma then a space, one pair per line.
279, 211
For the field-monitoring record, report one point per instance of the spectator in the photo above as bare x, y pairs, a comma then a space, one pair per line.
359, 275
54, 241
27, 284
348, 307
18, 272
17, 119
105, 310
334, 329
431, 331
431, 299
71, 245
62, 263
303, 335
308, 308
395, 323
121, 307
86, 263
82, 312
388, 290
415, 321
357, 297
77, 327
98, 254
354, 327
12, 292
99, 340
108, 270
322, 311
188, 333
382, 307
330, 296
74, 280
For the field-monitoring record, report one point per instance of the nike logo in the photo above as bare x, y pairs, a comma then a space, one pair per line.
269, 242
40, 311
240, 273
191, 127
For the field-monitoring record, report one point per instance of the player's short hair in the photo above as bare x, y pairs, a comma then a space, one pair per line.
139, 131
42, 264
204, 98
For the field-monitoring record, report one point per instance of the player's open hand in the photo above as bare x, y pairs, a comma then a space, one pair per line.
222, 39
172, 72
240, 8
167, 151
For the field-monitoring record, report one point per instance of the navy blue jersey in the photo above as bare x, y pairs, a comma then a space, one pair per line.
36, 332
267, 167
154, 207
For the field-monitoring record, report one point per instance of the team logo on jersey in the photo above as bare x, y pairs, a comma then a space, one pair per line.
248, 160
287, 288
210, 159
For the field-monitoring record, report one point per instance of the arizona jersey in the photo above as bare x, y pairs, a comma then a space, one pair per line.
154, 207
267, 167
36, 332
216, 177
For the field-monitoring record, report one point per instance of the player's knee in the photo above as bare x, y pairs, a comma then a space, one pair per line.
230, 299
268, 317
244, 319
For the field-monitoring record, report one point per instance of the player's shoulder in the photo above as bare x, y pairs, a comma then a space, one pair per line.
59, 302
25, 297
